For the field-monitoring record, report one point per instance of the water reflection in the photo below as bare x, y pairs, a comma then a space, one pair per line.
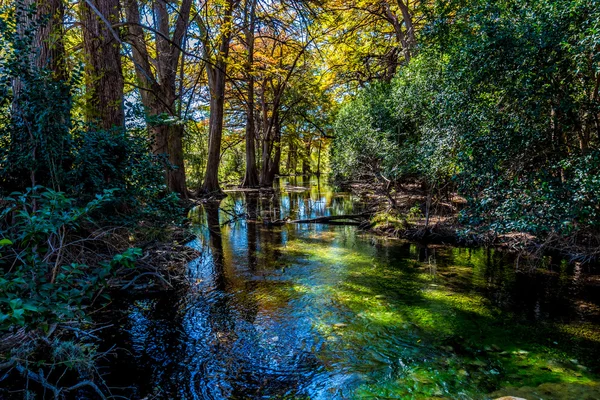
323, 312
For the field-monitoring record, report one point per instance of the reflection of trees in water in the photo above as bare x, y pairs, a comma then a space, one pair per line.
252, 210
231, 356
215, 242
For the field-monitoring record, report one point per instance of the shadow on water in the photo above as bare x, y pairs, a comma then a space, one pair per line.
326, 312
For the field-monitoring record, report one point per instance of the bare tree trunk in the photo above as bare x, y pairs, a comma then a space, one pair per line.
288, 163
158, 91
104, 75
266, 139
275, 145
216, 81
319, 159
211, 178
251, 175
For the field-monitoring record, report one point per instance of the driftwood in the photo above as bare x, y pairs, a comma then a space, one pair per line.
354, 219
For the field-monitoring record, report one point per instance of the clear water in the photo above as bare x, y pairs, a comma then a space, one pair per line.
307, 311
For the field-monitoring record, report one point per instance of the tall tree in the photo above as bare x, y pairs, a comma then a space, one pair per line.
157, 80
104, 74
251, 174
216, 58
37, 136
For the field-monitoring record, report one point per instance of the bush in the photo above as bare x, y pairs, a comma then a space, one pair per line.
366, 132
43, 281
502, 99
123, 163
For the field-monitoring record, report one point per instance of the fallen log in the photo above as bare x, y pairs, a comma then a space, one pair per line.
355, 219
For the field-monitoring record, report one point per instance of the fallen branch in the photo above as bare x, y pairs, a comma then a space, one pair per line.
355, 219
41, 379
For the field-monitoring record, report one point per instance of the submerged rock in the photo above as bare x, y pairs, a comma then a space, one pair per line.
509, 398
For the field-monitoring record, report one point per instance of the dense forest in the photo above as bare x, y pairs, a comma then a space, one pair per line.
118, 116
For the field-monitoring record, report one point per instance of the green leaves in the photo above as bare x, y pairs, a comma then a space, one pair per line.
127, 258
502, 99
36, 288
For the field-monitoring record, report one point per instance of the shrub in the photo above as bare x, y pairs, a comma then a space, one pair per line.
43, 280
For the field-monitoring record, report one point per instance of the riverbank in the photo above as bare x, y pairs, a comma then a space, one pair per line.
59, 351
408, 212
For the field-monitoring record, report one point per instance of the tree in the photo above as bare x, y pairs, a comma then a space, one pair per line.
33, 62
370, 40
251, 174
157, 85
104, 74
216, 58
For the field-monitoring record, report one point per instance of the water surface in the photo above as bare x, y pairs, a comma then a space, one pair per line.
309, 311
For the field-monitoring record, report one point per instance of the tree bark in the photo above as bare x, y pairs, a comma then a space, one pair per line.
251, 175
158, 89
319, 158
104, 74
217, 72
400, 39
42, 46
306, 170
411, 37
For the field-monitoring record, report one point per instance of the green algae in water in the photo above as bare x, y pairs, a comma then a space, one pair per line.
423, 330
318, 312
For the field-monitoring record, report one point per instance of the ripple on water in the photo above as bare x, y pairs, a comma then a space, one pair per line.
321, 312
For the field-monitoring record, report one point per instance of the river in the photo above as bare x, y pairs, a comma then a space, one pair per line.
313, 311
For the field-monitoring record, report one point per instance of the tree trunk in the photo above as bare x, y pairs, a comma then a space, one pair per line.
41, 44
251, 175
306, 170
49, 38
266, 139
411, 37
288, 163
158, 90
217, 73
272, 163
211, 178
319, 159
400, 39
104, 75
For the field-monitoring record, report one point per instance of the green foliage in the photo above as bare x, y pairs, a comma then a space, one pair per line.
502, 99
42, 143
366, 130
41, 282
122, 162
34, 113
